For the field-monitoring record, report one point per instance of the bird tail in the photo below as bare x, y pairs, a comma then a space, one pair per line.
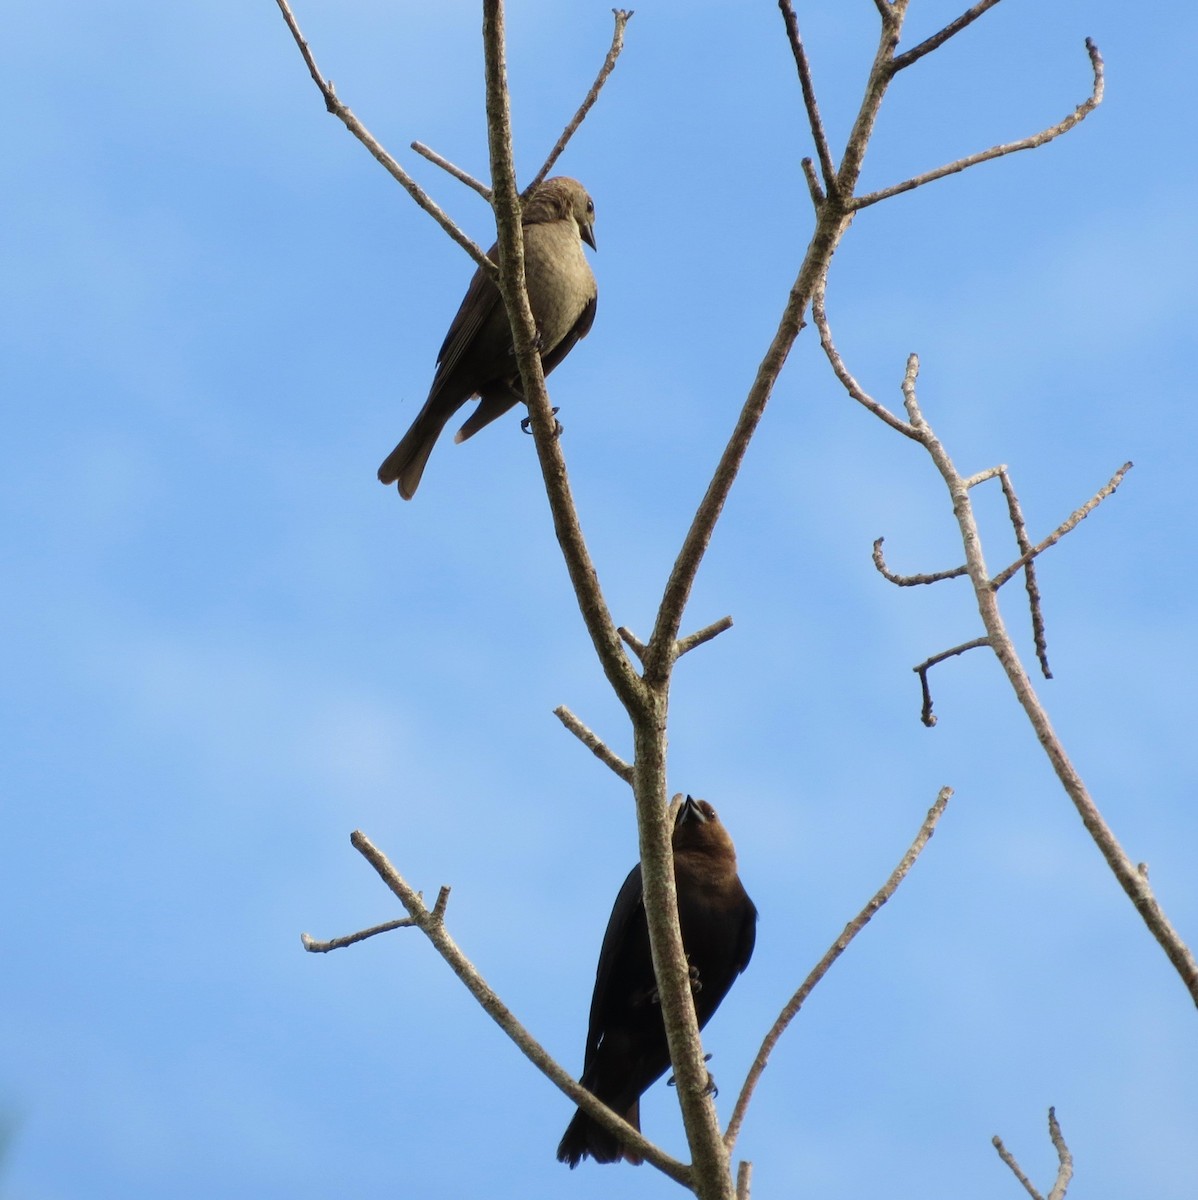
585, 1137
405, 464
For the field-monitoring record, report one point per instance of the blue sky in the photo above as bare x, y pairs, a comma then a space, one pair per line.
227, 646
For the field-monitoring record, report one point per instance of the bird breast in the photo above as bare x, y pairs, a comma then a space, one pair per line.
558, 277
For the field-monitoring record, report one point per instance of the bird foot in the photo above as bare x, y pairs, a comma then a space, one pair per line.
709, 1089
558, 427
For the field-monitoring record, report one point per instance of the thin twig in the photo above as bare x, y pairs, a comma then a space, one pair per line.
1080, 113
314, 947
838, 947
1064, 1158
457, 172
1029, 571
344, 114
983, 476
926, 715
593, 742
820, 313
744, 1179
912, 580
434, 929
1074, 519
1064, 1162
688, 643
633, 642
938, 39
803, 64
622, 16
1133, 881
1016, 1170
813, 184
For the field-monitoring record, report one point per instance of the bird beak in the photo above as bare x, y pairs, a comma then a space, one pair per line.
588, 235
690, 811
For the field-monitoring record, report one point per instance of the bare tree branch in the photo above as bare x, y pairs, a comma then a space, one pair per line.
1079, 114
1033, 588
343, 113
594, 743
1016, 1170
938, 39
433, 927
310, 944
455, 171
838, 947
622, 16
912, 580
744, 1179
1074, 519
854, 389
926, 715
1064, 1162
633, 642
885, 11
1133, 881
803, 64
1064, 1158
687, 644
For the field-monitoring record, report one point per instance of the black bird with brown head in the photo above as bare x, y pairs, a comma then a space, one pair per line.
626, 1049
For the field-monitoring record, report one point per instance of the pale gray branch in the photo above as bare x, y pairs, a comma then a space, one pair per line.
455, 171
1079, 114
594, 743
687, 644
1064, 1162
344, 114
938, 39
622, 16
1074, 519
838, 947
433, 927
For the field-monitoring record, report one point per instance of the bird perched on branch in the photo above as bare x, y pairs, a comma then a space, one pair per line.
626, 1048
478, 357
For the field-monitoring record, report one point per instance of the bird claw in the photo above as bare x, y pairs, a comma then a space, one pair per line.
558, 427
709, 1088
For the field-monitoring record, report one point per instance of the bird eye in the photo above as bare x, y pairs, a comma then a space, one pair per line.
590, 206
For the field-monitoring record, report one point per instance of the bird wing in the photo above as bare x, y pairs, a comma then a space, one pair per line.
574, 335
629, 903
748, 936
481, 297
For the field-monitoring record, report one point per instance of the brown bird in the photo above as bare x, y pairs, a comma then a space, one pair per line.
478, 357
626, 1048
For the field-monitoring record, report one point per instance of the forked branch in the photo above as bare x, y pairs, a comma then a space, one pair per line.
1133, 881
1064, 1162
433, 927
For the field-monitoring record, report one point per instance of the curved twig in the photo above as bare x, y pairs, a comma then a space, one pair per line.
1080, 113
